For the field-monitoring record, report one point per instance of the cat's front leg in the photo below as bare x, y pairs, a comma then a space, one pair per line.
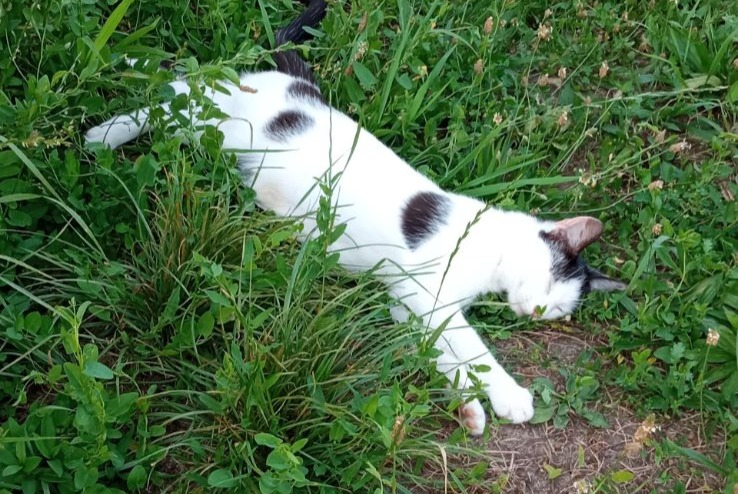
119, 129
464, 352
509, 399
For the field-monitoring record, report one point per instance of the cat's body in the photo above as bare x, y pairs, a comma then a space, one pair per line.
436, 251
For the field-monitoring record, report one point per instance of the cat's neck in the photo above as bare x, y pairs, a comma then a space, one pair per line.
498, 246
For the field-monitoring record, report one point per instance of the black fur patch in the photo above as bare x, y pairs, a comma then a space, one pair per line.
567, 266
290, 63
310, 17
424, 213
288, 123
305, 91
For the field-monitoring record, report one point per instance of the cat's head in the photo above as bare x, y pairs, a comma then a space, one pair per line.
556, 277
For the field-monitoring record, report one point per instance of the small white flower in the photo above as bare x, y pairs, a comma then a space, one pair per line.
713, 337
544, 32
581, 486
604, 69
489, 25
679, 147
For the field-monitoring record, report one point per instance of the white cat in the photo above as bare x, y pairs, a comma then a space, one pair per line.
436, 250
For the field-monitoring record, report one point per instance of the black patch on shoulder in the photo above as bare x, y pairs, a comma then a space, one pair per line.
305, 91
423, 214
288, 123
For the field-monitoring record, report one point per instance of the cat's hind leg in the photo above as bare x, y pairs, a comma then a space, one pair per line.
119, 129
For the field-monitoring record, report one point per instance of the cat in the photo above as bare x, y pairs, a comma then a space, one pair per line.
437, 251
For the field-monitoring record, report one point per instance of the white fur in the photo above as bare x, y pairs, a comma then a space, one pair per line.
502, 251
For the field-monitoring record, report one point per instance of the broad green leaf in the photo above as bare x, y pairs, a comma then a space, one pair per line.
364, 75
701, 81
552, 471
265, 439
98, 370
11, 470
11, 198
212, 404
543, 413
622, 476
205, 324
146, 168
221, 478
732, 95
137, 478
121, 405
218, 298
280, 459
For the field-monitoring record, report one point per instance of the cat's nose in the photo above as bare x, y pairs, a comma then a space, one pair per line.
538, 312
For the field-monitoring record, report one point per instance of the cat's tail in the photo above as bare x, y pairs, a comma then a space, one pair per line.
289, 61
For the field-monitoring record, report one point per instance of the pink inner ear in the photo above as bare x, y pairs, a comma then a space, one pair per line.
579, 232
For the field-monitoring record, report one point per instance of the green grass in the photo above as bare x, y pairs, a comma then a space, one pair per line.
159, 333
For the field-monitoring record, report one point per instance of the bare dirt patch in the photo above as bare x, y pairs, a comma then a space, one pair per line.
581, 457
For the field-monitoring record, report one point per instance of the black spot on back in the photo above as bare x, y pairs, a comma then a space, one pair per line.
424, 213
288, 123
305, 91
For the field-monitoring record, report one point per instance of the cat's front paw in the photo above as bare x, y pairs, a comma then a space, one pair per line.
108, 134
512, 402
117, 130
472, 417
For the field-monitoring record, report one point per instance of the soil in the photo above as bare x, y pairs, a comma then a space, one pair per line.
542, 459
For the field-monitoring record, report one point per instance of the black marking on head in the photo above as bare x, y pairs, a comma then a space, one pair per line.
424, 213
305, 91
288, 123
567, 266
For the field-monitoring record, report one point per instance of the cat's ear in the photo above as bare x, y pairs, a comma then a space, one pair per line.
577, 233
602, 283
